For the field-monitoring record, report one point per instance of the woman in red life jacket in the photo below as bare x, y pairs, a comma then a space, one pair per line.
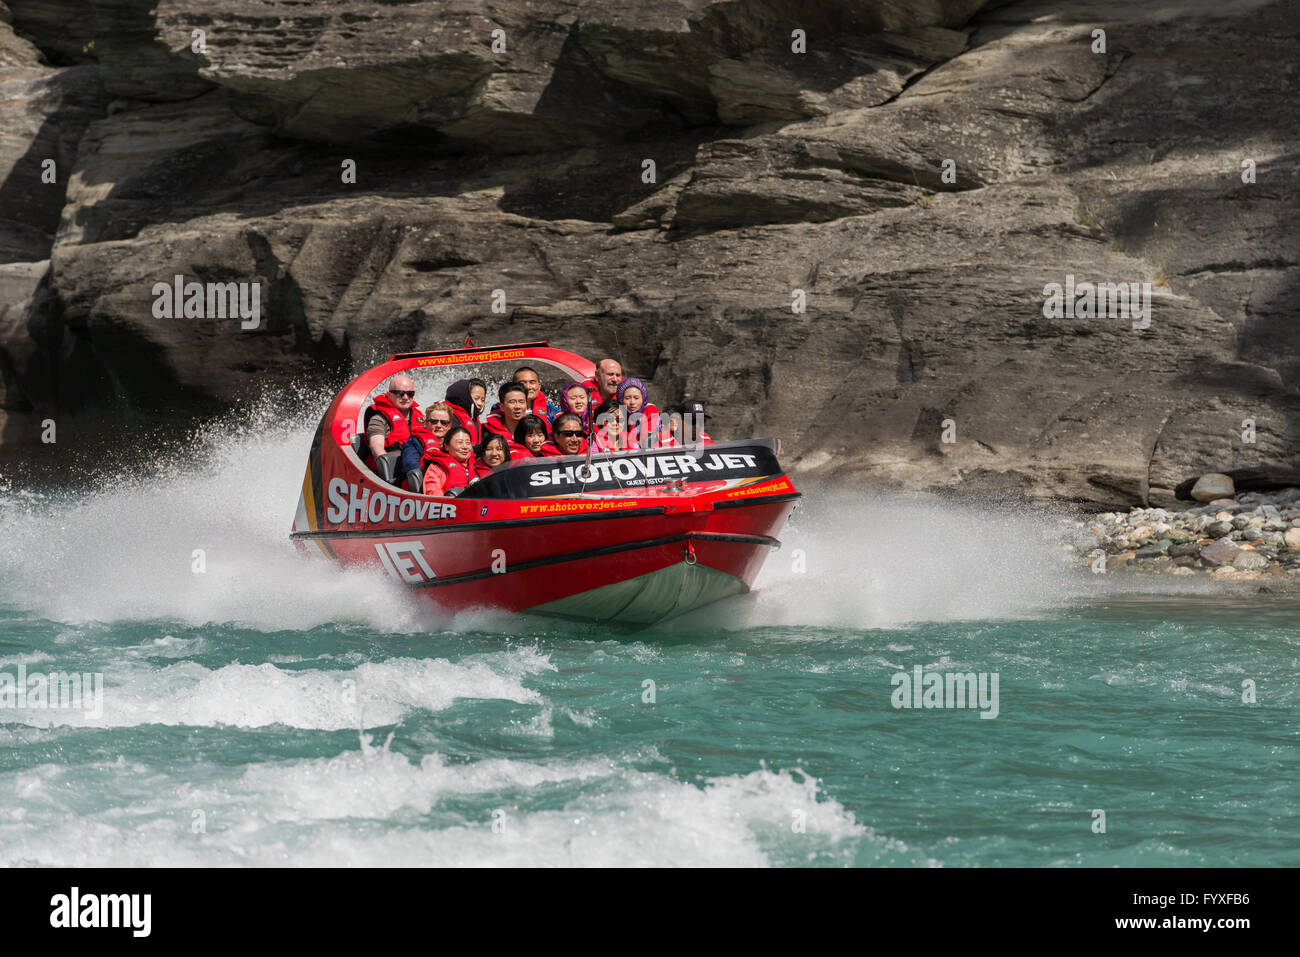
454, 466
438, 418
466, 397
494, 451
643, 416
574, 400
568, 437
389, 419
530, 433
610, 422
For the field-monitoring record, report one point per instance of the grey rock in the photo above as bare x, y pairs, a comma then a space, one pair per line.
1160, 547
823, 173
64, 30
1222, 552
1213, 486
1249, 561
1218, 529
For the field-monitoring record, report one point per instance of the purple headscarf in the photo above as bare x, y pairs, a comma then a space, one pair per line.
633, 384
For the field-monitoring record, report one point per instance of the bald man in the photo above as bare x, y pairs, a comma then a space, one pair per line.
391, 418
604, 384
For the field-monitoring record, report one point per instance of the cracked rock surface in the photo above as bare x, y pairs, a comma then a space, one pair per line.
522, 166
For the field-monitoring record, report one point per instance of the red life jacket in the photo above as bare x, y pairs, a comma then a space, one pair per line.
539, 407
497, 423
494, 423
604, 443
463, 419
454, 474
594, 398
496, 413
550, 448
670, 441
399, 429
645, 422
432, 447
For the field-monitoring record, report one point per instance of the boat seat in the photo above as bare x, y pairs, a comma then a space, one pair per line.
386, 465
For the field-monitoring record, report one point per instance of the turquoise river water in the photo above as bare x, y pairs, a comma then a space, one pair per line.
269, 709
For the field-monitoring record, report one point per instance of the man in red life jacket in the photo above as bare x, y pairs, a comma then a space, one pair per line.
604, 384
567, 436
392, 418
513, 398
538, 404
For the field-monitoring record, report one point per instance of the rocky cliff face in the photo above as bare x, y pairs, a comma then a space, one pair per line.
915, 173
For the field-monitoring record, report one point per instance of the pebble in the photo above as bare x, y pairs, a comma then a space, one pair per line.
1250, 561
1221, 552
1250, 535
1214, 485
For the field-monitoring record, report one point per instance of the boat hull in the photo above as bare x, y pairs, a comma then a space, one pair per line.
628, 569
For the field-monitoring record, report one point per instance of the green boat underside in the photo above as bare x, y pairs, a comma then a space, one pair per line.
646, 599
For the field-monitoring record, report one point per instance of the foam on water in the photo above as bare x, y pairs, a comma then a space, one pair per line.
315, 812
249, 696
124, 550
878, 561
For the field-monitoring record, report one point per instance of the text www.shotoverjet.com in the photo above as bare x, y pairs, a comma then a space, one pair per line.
1202, 924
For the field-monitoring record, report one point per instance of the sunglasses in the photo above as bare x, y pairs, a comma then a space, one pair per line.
437, 421
571, 434
409, 395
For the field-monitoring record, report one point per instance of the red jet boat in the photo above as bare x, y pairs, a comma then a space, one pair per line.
630, 538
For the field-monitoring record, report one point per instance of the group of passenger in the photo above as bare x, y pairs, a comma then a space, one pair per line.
450, 445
